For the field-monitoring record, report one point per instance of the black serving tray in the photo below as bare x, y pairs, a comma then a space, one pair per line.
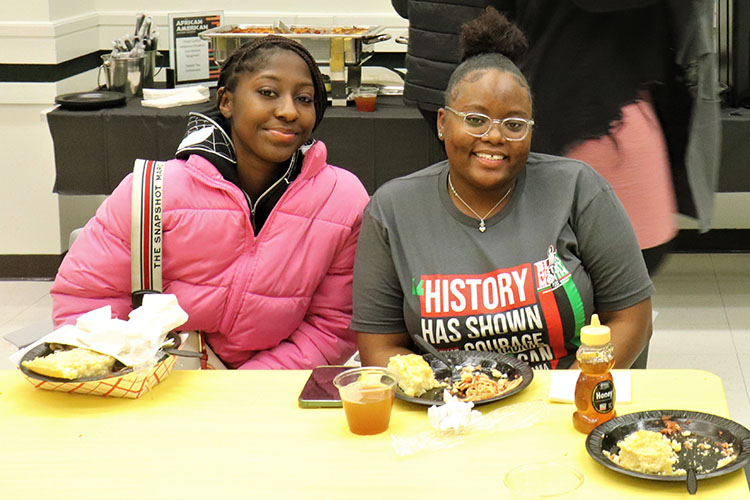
92, 100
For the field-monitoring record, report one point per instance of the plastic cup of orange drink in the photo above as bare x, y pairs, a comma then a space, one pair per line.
367, 395
365, 97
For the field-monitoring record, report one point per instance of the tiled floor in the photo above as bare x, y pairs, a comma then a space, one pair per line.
703, 301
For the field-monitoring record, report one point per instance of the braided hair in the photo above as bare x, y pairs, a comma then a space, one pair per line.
252, 55
490, 41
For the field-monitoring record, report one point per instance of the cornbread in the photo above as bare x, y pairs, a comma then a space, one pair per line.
415, 377
72, 364
650, 452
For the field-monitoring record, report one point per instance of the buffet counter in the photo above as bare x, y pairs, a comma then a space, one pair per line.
95, 150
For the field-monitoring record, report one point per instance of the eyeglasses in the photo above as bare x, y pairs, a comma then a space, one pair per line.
479, 125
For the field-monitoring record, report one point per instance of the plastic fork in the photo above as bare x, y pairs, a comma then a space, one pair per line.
426, 346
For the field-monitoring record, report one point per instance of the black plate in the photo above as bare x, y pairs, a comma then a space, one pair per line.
95, 99
44, 349
508, 365
704, 426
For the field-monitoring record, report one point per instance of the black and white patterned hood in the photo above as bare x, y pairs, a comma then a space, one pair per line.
205, 136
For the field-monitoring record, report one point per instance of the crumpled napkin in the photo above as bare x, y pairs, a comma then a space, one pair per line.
168, 98
562, 386
134, 342
454, 415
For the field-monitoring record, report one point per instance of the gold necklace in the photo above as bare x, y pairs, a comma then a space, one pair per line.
482, 227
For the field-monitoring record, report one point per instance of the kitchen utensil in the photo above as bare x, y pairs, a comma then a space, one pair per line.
149, 67
692, 479
123, 74
146, 28
429, 348
139, 19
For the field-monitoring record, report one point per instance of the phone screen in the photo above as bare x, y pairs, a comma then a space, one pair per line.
319, 391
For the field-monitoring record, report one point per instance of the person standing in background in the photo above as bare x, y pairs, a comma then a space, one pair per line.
630, 87
433, 51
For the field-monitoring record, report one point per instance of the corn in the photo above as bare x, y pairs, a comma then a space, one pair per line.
72, 364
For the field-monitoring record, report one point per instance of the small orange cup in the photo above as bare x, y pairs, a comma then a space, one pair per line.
365, 97
367, 394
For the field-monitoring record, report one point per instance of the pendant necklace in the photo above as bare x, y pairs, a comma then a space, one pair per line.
482, 227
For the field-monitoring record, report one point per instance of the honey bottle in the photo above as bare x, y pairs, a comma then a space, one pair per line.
595, 390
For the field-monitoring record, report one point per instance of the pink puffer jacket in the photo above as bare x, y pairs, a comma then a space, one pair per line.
281, 299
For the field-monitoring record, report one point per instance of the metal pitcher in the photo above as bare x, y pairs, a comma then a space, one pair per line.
149, 68
124, 74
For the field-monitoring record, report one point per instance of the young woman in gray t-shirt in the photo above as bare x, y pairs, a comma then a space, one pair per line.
497, 249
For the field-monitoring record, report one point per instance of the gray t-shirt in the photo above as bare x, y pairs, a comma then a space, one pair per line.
561, 249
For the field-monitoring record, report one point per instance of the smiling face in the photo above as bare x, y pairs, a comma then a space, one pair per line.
271, 110
482, 167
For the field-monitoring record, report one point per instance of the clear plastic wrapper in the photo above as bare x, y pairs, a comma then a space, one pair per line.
454, 426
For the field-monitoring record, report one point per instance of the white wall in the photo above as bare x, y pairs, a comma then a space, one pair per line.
29, 222
34, 220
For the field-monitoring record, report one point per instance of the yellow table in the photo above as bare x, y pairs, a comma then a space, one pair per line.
240, 434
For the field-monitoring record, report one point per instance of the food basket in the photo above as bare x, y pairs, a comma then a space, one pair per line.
121, 383
342, 48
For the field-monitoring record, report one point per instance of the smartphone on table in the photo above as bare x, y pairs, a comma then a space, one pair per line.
319, 391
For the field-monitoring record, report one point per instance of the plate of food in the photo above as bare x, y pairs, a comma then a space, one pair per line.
481, 377
664, 444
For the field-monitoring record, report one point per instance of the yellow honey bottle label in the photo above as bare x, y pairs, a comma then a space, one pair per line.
603, 396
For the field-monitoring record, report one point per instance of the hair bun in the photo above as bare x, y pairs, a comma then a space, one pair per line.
492, 32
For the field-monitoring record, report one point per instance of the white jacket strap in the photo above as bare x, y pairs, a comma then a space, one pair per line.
146, 229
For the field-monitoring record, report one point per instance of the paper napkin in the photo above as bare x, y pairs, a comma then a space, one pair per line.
167, 98
563, 385
135, 342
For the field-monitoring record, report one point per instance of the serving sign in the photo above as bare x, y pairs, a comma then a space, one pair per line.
190, 57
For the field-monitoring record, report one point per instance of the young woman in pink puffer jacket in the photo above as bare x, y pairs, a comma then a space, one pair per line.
259, 231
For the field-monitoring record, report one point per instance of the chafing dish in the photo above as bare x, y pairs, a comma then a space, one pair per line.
342, 48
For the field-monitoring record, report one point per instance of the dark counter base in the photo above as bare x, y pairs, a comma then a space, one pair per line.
95, 150
714, 241
29, 267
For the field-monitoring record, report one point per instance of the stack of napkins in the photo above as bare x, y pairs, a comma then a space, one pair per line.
135, 342
562, 386
167, 98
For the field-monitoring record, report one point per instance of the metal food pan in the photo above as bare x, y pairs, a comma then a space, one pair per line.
326, 46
